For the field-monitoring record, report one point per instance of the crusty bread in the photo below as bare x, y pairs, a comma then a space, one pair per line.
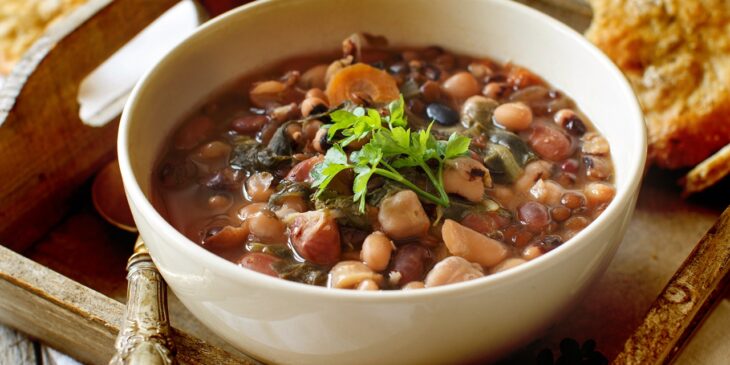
676, 54
23, 21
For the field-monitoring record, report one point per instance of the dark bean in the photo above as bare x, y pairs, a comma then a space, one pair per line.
398, 67
575, 126
432, 73
533, 215
570, 165
442, 114
249, 124
560, 213
550, 242
550, 143
411, 262
569, 347
225, 179
431, 91
573, 200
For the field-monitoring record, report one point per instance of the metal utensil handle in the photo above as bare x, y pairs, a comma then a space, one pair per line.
144, 337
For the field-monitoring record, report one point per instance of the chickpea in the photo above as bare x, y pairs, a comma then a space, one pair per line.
513, 116
598, 193
267, 227
414, 285
452, 269
349, 274
461, 85
467, 177
376, 250
508, 264
258, 187
472, 245
314, 77
402, 216
368, 284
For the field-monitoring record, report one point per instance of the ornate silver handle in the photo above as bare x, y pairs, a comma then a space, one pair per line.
144, 337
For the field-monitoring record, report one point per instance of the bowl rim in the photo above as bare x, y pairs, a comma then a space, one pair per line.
230, 270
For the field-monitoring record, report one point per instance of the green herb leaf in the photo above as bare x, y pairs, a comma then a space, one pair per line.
335, 161
456, 146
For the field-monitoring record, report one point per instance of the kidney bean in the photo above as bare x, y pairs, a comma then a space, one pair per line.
214, 150
550, 143
316, 237
570, 165
259, 262
376, 250
410, 262
472, 245
249, 125
533, 215
452, 269
300, 172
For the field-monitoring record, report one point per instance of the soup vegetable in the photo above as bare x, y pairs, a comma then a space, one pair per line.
384, 168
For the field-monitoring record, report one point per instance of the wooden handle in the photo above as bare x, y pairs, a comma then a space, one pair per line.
144, 337
684, 302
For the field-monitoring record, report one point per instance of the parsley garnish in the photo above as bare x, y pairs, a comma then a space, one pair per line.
391, 147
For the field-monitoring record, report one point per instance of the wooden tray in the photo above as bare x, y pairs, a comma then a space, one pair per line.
62, 268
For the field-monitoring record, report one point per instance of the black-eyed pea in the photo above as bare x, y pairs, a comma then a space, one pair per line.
368, 285
513, 116
467, 177
534, 171
376, 251
313, 105
508, 264
453, 269
494, 90
349, 274
321, 143
259, 187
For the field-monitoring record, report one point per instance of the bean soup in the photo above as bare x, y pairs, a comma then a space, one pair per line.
384, 168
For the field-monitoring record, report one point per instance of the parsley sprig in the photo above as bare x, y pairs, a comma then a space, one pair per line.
392, 146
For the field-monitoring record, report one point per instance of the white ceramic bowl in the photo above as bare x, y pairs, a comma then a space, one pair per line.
285, 322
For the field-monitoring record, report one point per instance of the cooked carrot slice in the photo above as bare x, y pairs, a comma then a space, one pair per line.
361, 82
